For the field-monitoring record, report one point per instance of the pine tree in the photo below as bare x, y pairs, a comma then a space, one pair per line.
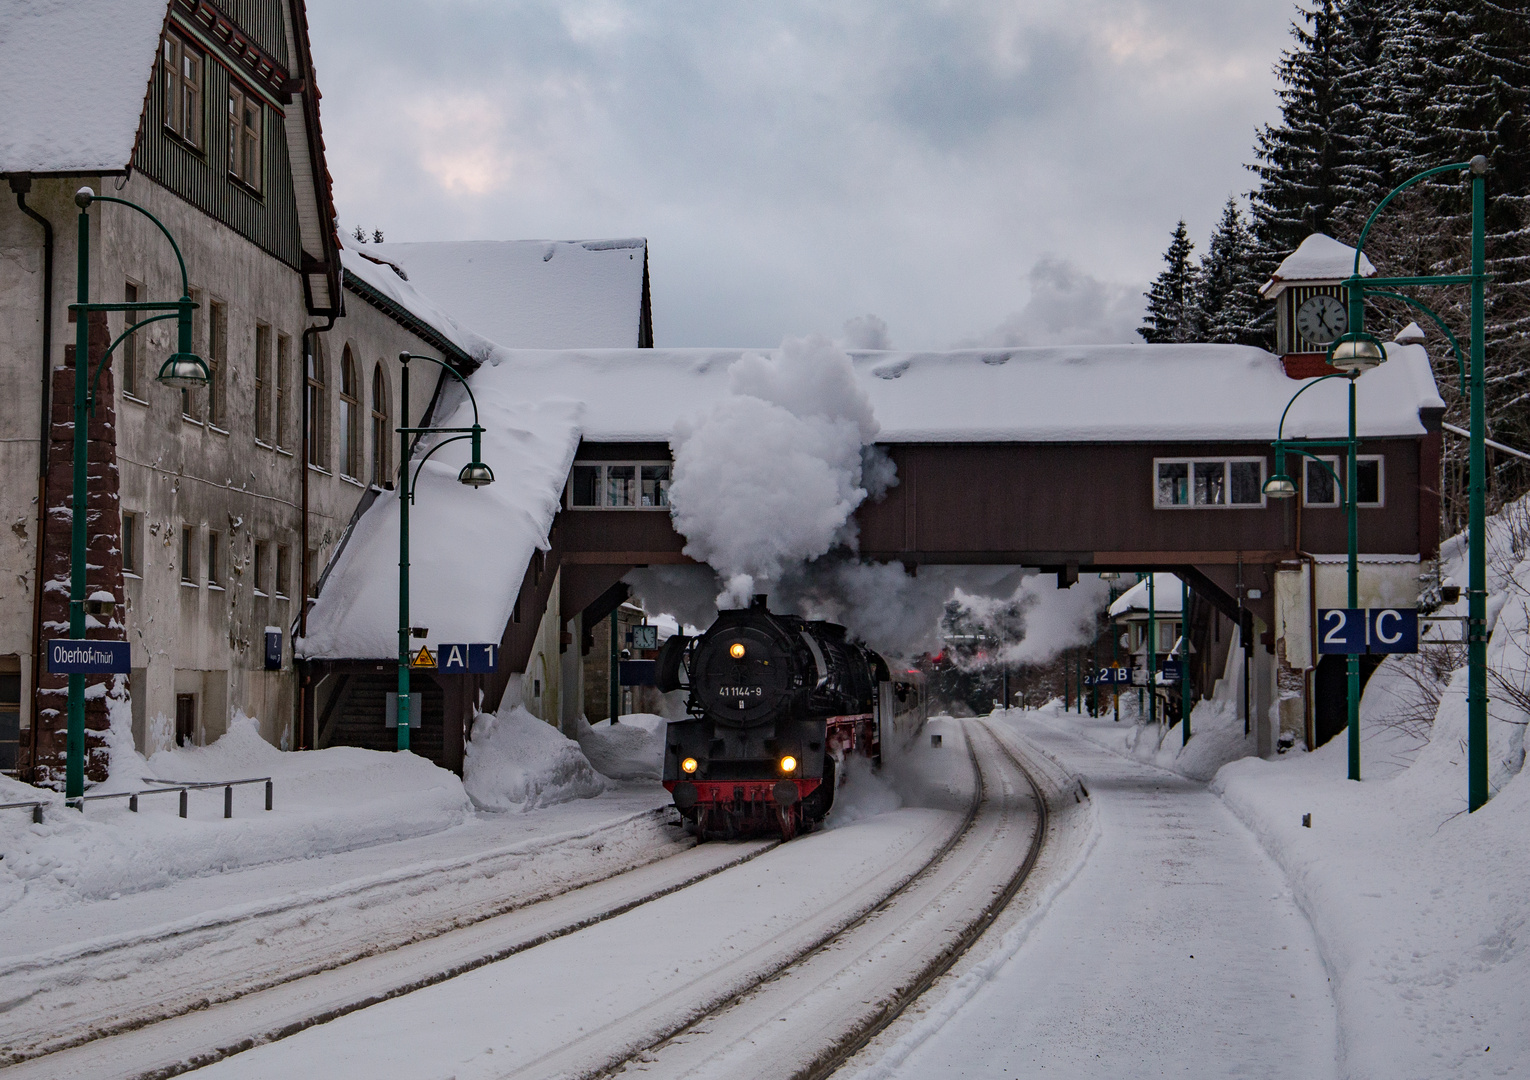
1227, 304
1171, 300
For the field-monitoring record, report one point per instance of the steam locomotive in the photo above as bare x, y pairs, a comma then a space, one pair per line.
776, 702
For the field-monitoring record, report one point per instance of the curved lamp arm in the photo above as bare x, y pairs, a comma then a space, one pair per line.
1280, 430
95, 381
405, 357
185, 286
1455, 346
415, 482
1398, 190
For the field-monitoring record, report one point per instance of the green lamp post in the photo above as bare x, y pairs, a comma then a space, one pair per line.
1356, 351
474, 474
183, 369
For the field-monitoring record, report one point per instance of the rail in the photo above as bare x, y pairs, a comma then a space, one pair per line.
36, 805
195, 785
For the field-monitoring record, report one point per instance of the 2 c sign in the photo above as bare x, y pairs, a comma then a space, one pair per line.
1367, 630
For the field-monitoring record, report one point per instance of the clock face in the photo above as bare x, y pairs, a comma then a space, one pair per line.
1321, 319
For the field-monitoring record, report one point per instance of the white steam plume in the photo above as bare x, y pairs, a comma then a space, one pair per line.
769, 478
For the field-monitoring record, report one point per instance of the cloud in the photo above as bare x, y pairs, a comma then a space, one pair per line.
1068, 307
795, 161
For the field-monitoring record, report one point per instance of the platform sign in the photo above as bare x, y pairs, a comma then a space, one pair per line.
1107, 676
67, 656
1171, 671
273, 648
644, 637
1351, 631
638, 672
469, 658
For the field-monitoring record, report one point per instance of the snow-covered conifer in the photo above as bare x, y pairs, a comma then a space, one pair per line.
1171, 301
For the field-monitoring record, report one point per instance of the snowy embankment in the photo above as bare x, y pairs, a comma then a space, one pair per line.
324, 802
1419, 907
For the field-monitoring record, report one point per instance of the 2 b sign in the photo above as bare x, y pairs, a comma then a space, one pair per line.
1367, 630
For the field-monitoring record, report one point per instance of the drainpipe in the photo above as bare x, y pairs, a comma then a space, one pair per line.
21, 184
301, 723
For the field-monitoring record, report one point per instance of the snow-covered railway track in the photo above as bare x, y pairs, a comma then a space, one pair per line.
824, 1006
65, 997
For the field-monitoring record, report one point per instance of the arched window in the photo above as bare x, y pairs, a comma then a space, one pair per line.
317, 403
350, 416
382, 430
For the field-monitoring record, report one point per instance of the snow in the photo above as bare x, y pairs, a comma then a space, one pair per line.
515, 761
533, 294
1168, 592
76, 73
382, 277
1173, 948
630, 749
469, 548
1317, 258
1133, 392
324, 801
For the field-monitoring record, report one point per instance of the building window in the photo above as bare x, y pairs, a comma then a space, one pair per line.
382, 430
130, 543
350, 413
619, 485
189, 403
317, 405
1320, 490
283, 571
262, 582
283, 381
10, 711
188, 555
1200, 483
132, 356
214, 560
244, 127
181, 66
217, 364
262, 382
313, 572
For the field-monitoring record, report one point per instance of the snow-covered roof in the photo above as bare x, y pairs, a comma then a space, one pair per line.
385, 281
1317, 258
75, 74
533, 294
1095, 393
1167, 592
470, 547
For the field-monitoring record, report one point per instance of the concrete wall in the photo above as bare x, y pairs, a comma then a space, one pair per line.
202, 637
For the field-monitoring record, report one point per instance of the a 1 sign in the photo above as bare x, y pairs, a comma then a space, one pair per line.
471, 659
1367, 630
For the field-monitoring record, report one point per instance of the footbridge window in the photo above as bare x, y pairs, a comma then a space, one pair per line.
1319, 488
1208, 483
619, 485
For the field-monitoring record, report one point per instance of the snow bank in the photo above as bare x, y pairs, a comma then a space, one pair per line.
630, 749
325, 801
515, 761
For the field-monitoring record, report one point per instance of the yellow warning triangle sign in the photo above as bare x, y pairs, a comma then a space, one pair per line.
423, 658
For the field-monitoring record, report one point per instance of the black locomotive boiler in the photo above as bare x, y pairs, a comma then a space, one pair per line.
775, 703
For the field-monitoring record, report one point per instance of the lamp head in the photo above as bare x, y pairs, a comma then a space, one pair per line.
1479, 165
185, 371
1279, 486
84, 197
1355, 353
475, 474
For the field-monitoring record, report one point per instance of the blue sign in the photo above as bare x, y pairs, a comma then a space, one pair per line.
69, 657
273, 648
1392, 630
638, 672
479, 658
1170, 671
1351, 631
1108, 675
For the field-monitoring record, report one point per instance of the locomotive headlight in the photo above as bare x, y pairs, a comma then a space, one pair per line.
788, 764
688, 766
736, 650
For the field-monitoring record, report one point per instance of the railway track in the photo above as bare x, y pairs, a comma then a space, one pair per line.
824, 984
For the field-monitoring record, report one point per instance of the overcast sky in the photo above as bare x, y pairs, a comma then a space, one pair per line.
1004, 171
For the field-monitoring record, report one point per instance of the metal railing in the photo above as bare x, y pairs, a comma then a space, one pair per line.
170, 786
36, 805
